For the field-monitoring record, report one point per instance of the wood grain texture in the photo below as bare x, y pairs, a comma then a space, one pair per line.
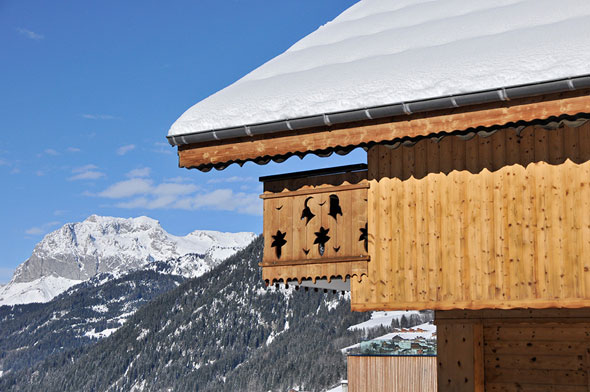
460, 357
523, 349
499, 222
384, 373
337, 205
278, 144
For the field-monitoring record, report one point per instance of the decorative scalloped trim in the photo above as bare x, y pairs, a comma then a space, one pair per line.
300, 280
553, 122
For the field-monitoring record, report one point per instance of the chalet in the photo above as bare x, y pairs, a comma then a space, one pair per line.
475, 197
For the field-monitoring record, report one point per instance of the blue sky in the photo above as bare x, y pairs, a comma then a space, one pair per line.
89, 90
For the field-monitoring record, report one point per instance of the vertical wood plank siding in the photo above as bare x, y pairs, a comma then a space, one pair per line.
380, 374
496, 222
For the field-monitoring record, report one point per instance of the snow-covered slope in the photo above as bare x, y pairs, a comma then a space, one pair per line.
78, 251
384, 319
383, 52
38, 290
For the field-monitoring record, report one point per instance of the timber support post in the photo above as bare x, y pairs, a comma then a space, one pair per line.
460, 355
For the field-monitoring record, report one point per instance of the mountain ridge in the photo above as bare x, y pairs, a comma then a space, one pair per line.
78, 251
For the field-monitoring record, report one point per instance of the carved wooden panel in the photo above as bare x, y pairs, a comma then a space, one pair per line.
327, 225
315, 224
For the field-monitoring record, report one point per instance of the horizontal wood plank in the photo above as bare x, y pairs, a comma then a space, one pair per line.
522, 387
531, 348
539, 377
536, 361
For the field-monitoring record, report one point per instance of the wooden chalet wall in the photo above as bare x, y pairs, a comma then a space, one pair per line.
491, 222
391, 373
513, 350
299, 212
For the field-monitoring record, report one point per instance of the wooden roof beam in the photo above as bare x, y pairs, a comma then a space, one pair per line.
360, 133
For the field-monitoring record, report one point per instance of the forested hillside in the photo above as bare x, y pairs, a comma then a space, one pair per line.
32, 332
221, 331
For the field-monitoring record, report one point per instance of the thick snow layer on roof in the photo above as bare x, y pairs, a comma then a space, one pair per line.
383, 51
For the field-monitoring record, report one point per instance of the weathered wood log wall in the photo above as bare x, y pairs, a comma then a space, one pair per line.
523, 350
460, 356
313, 227
491, 222
383, 373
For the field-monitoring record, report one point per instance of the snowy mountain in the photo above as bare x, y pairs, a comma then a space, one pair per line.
78, 251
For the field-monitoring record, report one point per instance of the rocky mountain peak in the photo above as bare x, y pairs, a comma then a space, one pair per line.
78, 251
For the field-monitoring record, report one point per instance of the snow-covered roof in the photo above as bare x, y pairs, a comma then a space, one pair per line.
380, 52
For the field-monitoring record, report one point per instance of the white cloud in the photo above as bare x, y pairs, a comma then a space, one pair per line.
150, 204
127, 188
38, 230
179, 179
163, 148
251, 188
125, 149
227, 200
140, 202
30, 34
143, 193
4, 162
51, 151
140, 172
73, 149
230, 180
87, 172
174, 189
84, 168
88, 175
148, 195
98, 116
39, 173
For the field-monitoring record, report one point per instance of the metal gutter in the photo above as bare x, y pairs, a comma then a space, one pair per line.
393, 110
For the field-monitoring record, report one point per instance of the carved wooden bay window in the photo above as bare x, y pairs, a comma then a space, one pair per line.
315, 224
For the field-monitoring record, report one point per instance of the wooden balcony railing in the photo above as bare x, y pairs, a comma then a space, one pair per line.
315, 224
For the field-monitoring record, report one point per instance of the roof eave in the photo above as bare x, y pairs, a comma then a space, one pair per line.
387, 111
